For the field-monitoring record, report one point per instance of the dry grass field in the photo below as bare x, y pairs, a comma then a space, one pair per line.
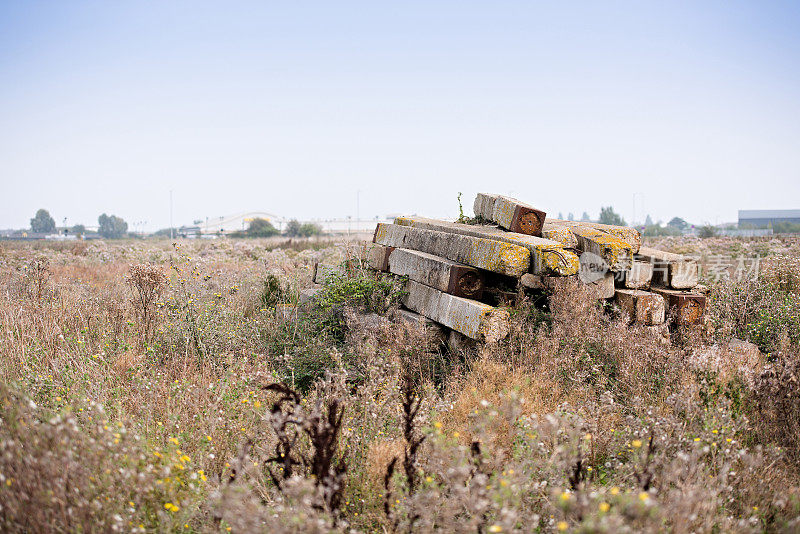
146, 387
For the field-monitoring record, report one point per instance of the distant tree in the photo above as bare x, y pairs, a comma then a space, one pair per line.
43, 223
293, 228
570, 216
648, 221
680, 224
658, 230
585, 217
261, 228
111, 227
785, 227
78, 229
609, 216
560, 215
309, 229
708, 231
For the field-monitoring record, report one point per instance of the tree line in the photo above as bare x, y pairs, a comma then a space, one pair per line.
108, 226
114, 227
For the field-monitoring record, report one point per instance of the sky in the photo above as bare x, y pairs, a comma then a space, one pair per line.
321, 110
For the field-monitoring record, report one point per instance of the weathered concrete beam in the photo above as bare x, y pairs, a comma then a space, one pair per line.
469, 317
459, 343
490, 255
435, 332
638, 277
641, 307
509, 213
439, 273
603, 287
670, 270
562, 234
629, 235
409, 317
532, 281
518, 217
377, 256
616, 253
684, 307
483, 207
548, 257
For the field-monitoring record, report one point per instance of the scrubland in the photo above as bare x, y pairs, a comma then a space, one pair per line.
146, 386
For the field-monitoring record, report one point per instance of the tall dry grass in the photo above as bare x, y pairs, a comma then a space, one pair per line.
121, 416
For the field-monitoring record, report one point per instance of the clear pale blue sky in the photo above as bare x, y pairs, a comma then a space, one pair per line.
293, 107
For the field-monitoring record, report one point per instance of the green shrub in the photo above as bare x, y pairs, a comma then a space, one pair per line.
771, 323
365, 291
273, 292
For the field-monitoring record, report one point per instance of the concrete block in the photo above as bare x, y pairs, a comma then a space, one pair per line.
670, 270
377, 256
548, 258
601, 287
629, 235
683, 307
641, 307
490, 255
439, 273
434, 332
616, 253
473, 319
483, 207
518, 217
410, 317
604, 286
460, 343
531, 281
562, 234
637, 277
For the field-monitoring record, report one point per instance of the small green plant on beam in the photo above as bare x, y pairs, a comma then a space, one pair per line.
463, 219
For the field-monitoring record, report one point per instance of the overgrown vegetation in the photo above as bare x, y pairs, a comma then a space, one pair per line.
247, 410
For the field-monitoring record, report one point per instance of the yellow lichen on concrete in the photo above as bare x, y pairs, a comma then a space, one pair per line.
618, 250
503, 212
627, 235
560, 262
561, 234
494, 325
515, 259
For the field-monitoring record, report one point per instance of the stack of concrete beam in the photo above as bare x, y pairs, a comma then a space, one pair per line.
450, 266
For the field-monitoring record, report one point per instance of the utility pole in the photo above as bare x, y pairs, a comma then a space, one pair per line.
171, 233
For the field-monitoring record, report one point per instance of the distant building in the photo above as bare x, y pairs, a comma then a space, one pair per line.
755, 218
190, 232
